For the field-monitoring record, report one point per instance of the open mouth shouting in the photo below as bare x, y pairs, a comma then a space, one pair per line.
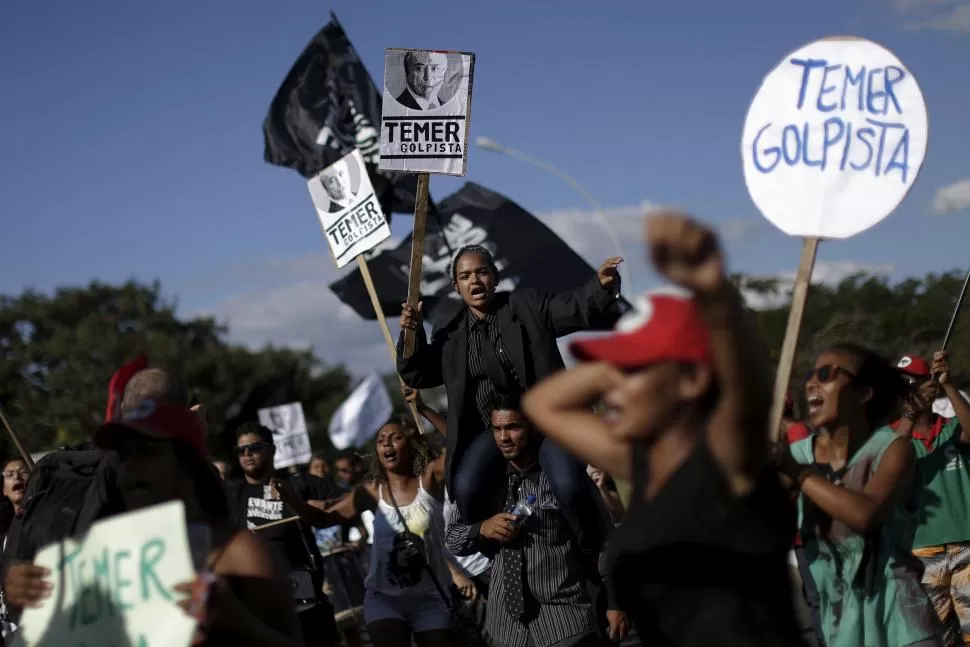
478, 292
389, 457
816, 407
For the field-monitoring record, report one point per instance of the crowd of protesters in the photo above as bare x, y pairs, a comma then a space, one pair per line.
504, 527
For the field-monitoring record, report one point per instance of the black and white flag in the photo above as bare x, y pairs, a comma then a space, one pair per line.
326, 107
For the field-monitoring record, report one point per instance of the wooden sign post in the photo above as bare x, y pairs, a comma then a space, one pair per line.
832, 143
425, 117
417, 255
353, 223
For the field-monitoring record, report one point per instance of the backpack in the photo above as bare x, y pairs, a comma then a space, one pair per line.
68, 490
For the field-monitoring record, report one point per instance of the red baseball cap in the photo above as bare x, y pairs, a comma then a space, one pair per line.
663, 326
156, 421
914, 365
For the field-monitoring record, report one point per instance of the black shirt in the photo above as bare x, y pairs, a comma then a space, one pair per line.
292, 543
699, 566
489, 366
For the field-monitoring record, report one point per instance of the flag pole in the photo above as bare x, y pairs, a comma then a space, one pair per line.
372, 291
15, 438
417, 255
956, 312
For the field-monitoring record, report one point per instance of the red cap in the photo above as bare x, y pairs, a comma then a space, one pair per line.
663, 326
914, 365
156, 421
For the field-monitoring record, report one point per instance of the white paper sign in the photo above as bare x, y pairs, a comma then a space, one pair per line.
349, 211
359, 417
426, 111
115, 587
834, 138
289, 434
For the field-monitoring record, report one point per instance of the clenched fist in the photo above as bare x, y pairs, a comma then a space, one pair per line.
686, 252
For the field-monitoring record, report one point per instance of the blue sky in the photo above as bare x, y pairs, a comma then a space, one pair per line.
132, 144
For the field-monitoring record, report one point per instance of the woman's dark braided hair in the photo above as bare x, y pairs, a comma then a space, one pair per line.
481, 250
422, 453
889, 388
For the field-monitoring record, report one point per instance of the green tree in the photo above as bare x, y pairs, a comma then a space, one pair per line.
909, 316
58, 353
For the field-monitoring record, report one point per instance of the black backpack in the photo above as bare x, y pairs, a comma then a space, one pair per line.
68, 490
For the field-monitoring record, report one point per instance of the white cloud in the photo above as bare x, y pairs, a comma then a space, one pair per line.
289, 303
935, 15
825, 272
952, 197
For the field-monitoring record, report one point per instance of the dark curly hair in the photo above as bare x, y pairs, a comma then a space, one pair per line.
889, 389
422, 453
481, 250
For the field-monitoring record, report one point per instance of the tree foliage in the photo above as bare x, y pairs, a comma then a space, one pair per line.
59, 352
894, 319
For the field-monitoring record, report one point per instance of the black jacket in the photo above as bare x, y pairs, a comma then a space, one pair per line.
530, 323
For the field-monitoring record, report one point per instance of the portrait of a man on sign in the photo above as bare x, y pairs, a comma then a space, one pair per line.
336, 182
424, 74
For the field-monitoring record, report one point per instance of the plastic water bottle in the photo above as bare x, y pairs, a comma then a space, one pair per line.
522, 510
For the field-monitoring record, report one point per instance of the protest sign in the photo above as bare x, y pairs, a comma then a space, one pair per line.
832, 143
349, 211
834, 138
289, 434
114, 587
424, 129
426, 111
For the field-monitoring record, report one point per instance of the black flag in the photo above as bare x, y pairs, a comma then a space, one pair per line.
327, 106
527, 253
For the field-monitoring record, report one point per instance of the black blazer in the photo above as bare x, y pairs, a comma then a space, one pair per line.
530, 323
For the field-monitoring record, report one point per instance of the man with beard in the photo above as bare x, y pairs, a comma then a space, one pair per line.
259, 499
538, 591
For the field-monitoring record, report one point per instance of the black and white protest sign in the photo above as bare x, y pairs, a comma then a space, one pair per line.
834, 138
426, 110
349, 211
289, 434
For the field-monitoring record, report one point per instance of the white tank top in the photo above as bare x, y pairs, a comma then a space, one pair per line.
425, 518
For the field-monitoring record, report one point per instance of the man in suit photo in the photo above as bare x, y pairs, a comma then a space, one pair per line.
336, 180
424, 73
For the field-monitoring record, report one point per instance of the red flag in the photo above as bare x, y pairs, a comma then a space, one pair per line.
116, 389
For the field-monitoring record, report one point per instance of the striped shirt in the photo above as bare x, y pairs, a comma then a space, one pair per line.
485, 340
557, 604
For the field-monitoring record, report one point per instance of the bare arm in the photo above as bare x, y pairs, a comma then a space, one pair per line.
348, 507
962, 409
738, 429
561, 407
863, 510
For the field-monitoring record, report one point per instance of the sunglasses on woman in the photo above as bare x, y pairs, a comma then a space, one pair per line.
828, 373
252, 448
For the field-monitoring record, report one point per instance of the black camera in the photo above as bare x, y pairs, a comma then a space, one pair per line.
408, 558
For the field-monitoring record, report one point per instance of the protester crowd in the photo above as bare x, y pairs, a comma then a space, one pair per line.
504, 526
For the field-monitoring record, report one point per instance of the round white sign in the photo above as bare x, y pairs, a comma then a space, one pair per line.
834, 138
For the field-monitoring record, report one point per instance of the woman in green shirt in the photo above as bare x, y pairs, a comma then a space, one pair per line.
856, 506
